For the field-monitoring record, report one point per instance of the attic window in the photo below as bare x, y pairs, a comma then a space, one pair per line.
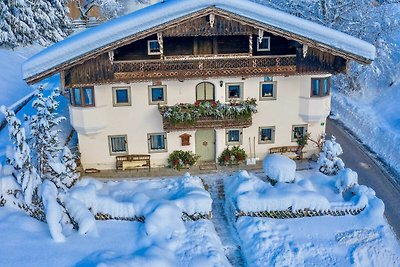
264, 45
153, 47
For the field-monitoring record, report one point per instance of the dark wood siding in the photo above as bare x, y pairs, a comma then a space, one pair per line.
135, 51
279, 45
233, 44
175, 46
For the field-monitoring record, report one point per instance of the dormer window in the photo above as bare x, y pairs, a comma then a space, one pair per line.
153, 47
264, 45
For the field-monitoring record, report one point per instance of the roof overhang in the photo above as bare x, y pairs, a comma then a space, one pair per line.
102, 39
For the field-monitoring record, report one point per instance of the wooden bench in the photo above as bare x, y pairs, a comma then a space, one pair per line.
284, 149
128, 162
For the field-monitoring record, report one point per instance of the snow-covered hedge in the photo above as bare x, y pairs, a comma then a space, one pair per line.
130, 199
247, 193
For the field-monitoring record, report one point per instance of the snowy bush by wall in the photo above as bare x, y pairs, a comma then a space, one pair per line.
329, 161
345, 179
279, 168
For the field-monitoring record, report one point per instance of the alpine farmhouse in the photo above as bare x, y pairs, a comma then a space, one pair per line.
136, 83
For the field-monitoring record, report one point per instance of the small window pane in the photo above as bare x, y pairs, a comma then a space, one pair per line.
266, 134
264, 45
315, 87
298, 132
77, 97
326, 87
154, 47
233, 136
157, 142
234, 91
118, 144
157, 94
121, 96
267, 90
88, 95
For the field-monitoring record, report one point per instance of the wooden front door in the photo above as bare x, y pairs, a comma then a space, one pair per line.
205, 91
205, 144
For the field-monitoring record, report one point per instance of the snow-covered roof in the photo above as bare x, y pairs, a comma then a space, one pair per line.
155, 15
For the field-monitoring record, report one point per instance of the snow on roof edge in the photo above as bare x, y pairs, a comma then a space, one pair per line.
160, 13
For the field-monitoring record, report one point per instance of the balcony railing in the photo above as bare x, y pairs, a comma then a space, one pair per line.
198, 66
203, 115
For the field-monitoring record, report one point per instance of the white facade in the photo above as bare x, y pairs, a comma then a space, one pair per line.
292, 106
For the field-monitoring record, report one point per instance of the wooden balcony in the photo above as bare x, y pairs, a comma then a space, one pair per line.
204, 66
190, 117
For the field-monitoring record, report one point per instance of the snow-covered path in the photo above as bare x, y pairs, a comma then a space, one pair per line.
224, 228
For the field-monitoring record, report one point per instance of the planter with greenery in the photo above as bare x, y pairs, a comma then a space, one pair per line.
189, 114
232, 156
180, 159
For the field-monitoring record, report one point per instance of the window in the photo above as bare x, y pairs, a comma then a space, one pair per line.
266, 135
82, 97
234, 91
121, 96
157, 94
234, 137
298, 131
118, 144
320, 86
264, 45
153, 47
157, 142
268, 90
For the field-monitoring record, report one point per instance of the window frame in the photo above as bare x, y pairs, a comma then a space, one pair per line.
82, 96
321, 87
110, 144
264, 49
274, 91
114, 92
234, 143
165, 149
151, 102
293, 138
149, 48
241, 93
272, 141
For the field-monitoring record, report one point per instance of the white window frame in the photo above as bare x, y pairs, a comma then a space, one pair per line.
115, 103
294, 139
118, 152
164, 101
149, 48
227, 91
234, 142
272, 135
264, 49
165, 149
274, 91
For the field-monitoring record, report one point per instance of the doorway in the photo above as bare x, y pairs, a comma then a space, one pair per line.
205, 144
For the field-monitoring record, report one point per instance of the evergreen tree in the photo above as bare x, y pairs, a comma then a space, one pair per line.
329, 161
44, 135
26, 172
70, 175
26, 22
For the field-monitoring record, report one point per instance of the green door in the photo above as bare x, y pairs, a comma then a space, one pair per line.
205, 144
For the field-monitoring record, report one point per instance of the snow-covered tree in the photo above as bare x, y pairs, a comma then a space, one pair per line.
44, 133
26, 22
70, 175
25, 172
329, 161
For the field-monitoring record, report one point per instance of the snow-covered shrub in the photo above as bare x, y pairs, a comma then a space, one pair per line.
345, 179
329, 161
232, 156
180, 159
279, 168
